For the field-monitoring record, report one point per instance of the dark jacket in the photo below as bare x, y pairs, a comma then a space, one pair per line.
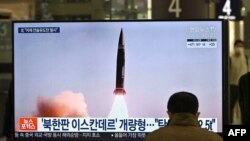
183, 127
244, 98
9, 113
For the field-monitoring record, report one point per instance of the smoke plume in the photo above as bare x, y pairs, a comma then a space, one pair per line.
66, 104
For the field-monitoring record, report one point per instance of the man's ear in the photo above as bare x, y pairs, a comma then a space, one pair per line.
197, 114
169, 114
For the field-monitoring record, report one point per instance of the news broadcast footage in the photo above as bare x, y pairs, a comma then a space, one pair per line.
106, 78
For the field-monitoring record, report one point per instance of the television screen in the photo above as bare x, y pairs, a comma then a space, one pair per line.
112, 79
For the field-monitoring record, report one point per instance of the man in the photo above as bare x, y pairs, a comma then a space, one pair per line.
238, 62
239, 65
183, 121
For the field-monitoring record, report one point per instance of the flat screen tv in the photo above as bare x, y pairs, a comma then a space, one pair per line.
111, 80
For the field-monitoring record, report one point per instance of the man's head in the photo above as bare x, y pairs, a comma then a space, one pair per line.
239, 47
183, 102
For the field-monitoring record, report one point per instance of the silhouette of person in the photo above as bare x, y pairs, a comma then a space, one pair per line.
9, 114
244, 98
183, 121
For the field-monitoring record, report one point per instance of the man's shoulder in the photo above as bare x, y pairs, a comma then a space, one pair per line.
195, 132
245, 77
155, 133
211, 134
247, 74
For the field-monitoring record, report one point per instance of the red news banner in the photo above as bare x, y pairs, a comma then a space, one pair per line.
27, 124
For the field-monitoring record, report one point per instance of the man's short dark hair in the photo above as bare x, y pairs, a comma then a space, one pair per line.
238, 41
183, 102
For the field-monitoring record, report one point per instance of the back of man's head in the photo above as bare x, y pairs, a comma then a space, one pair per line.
183, 102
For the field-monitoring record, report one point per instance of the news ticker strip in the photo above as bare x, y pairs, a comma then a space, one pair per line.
79, 135
43, 124
231, 132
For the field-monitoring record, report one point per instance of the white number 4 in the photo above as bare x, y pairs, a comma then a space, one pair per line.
227, 8
175, 8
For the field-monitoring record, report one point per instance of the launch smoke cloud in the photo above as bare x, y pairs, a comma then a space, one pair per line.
65, 104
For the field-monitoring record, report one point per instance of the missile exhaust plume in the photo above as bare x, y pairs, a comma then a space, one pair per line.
119, 108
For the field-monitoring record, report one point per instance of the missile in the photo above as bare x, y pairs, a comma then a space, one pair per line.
120, 67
